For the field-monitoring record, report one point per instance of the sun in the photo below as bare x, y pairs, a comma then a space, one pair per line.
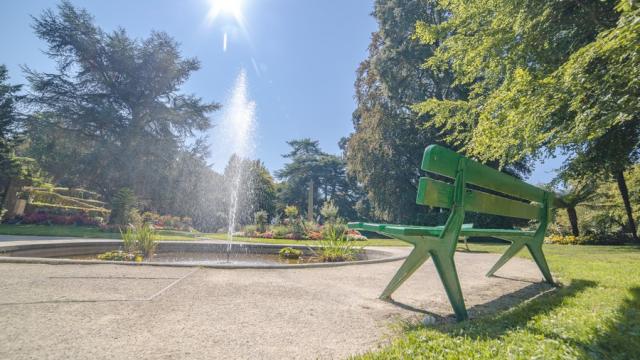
231, 8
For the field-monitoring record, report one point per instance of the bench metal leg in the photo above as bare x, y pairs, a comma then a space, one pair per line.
447, 271
516, 245
535, 248
418, 256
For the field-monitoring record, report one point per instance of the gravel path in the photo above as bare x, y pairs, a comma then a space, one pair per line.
122, 312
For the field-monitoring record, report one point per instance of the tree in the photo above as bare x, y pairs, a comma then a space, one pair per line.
384, 151
543, 77
15, 170
114, 107
576, 194
10, 122
309, 164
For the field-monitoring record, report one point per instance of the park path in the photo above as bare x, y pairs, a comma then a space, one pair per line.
120, 312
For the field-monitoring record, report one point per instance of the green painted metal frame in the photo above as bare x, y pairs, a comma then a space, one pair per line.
440, 244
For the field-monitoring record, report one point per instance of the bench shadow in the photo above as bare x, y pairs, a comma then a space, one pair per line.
509, 311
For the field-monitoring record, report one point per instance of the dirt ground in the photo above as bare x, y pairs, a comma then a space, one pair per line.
122, 312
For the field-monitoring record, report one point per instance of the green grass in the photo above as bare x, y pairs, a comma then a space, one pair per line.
594, 314
83, 232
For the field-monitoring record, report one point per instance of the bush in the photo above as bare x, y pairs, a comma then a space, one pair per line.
329, 212
250, 230
334, 231
314, 235
261, 218
279, 231
139, 240
337, 249
589, 239
119, 256
354, 235
124, 201
34, 207
45, 218
290, 253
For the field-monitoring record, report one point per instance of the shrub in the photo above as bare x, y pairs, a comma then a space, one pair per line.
129, 240
337, 249
123, 202
291, 212
147, 239
261, 218
290, 253
589, 239
118, 256
250, 230
279, 231
329, 211
334, 231
34, 207
314, 235
45, 218
354, 235
139, 240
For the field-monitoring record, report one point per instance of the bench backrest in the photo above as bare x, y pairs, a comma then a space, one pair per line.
511, 197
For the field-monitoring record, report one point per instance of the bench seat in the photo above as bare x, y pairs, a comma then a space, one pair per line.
466, 230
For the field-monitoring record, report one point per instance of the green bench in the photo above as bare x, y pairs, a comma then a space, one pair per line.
491, 192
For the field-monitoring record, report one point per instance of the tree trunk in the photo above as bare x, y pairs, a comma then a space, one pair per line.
573, 219
622, 186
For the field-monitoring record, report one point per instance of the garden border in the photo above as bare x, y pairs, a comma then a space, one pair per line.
106, 245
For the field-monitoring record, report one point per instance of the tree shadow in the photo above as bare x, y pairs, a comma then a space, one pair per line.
620, 338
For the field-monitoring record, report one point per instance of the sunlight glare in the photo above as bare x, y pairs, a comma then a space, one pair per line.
225, 7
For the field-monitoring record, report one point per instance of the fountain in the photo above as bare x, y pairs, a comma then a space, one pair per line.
234, 136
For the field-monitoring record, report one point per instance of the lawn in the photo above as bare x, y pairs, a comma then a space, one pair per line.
595, 313
83, 232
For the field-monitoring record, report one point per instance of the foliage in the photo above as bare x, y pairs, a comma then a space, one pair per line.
261, 217
291, 212
602, 213
543, 78
123, 207
336, 248
141, 239
129, 241
593, 315
168, 222
329, 212
112, 115
589, 239
308, 163
119, 256
10, 124
290, 253
43, 218
146, 239
35, 207
354, 235
385, 150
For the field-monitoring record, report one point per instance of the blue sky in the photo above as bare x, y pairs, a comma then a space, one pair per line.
300, 57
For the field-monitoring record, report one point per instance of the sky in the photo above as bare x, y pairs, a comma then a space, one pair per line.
299, 56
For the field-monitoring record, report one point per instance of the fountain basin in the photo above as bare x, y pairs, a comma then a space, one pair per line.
177, 253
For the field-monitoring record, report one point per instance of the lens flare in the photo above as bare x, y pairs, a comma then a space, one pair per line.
231, 8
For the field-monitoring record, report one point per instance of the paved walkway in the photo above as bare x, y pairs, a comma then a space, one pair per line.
122, 312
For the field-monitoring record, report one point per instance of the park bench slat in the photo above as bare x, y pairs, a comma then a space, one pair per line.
442, 161
440, 194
